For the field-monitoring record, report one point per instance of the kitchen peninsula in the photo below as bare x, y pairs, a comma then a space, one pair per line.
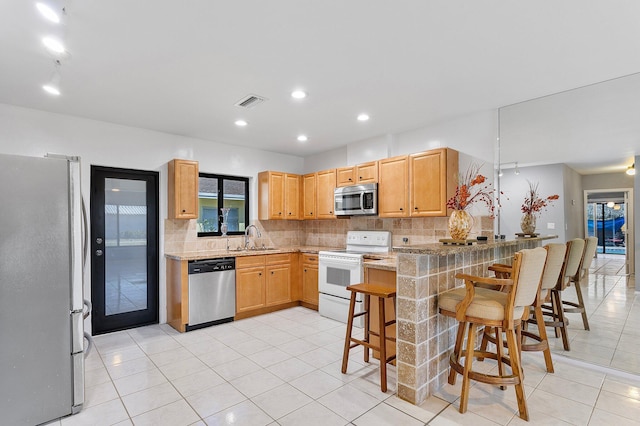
424, 338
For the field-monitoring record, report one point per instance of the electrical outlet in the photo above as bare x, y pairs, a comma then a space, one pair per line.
405, 240
551, 225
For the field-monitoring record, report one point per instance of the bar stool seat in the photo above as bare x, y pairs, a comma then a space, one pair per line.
383, 292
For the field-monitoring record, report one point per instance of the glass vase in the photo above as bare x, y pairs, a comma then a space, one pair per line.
460, 223
225, 218
528, 223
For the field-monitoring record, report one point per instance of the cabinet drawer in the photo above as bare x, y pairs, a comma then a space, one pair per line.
310, 258
278, 258
249, 261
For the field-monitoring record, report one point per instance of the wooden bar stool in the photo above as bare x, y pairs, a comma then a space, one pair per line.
383, 292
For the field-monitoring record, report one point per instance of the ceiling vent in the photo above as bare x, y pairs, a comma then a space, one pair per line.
250, 101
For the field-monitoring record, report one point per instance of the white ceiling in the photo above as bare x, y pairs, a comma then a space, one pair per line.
179, 66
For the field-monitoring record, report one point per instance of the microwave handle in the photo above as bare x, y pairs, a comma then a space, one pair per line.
362, 200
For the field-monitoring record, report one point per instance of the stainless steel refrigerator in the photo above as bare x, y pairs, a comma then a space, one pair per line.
41, 294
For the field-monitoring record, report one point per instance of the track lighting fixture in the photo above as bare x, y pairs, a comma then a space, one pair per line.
53, 85
631, 170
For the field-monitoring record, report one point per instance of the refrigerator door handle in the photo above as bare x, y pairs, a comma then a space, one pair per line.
85, 235
88, 305
87, 349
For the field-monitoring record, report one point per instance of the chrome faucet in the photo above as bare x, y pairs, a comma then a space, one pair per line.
246, 235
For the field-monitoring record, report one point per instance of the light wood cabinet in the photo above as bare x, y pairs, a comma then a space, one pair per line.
361, 173
433, 180
367, 172
278, 195
326, 185
262, 282
250, 283
393, 196
250, 289
309, 277
345, 176
183, 189
309, 196
278, 287
178, 294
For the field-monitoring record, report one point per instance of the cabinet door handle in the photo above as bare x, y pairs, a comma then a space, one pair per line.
271, 272
305, 270
416, 208
259, 274
360, 177
400, 208
279, 213
184, 211
350, 179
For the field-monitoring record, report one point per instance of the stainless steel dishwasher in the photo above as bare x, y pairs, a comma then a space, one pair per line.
212, 292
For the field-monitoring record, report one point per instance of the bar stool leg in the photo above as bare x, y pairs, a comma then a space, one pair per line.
383, 344
367, 326
347, 339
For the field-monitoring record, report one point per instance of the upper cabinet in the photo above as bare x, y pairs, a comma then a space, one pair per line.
183, 189
362, 173
278, 195
393, 196
367, 172
345, 176
325, 187
309, 196
433, 179
417, 185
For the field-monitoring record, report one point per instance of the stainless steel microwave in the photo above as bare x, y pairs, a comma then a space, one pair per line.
356, 200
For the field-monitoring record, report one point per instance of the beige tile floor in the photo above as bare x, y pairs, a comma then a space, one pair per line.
613, 309
284, 369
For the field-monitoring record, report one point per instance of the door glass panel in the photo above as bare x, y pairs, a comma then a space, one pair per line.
125, 247
609, 225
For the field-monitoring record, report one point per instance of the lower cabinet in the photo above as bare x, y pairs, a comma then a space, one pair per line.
263, 284
309, 278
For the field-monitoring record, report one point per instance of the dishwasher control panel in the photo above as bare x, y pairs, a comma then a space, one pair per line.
212, 265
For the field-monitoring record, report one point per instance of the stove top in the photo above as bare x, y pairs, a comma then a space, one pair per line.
360, 243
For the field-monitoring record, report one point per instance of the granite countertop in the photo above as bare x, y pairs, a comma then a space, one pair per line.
213, 254
388, 263
442, 249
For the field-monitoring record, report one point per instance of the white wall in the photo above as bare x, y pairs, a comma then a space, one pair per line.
474, 134
35, 133
607, 181
573, 204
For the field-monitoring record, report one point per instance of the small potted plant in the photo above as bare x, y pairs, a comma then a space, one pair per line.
532, 206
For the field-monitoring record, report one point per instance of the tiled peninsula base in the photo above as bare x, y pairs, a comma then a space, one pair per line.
425, 338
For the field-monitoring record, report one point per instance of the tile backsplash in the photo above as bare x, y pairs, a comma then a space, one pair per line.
181, 235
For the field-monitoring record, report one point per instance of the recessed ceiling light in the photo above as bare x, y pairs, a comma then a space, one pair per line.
298, 94
363, 117
53, 45
303, 138
48, 13
241, 123
52, 90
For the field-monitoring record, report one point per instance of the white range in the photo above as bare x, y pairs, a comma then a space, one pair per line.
341, 268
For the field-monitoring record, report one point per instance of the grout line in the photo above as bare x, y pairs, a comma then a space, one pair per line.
596, 367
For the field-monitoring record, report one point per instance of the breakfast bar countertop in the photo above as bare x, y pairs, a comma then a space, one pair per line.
445, 249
